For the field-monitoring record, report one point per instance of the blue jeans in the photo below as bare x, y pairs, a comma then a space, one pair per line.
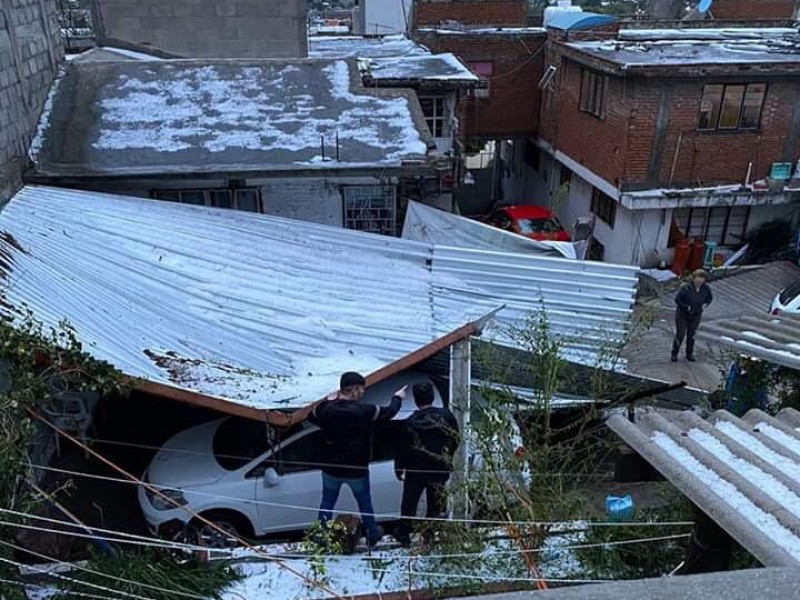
331, 486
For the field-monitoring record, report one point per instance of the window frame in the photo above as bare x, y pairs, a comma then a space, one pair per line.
702, 231
592, 97
350, 218
208, 194
604, 207
716, 126
478, 68
438, 116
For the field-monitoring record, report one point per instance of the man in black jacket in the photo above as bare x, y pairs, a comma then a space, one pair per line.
425, 458
346, 447
691, 299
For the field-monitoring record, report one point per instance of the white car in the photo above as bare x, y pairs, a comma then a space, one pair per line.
228, 471
787, 300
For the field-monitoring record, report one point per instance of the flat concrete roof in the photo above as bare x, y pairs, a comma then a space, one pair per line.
195, 117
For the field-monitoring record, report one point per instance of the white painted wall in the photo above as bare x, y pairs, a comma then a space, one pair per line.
521, 183
386, 16
315, 200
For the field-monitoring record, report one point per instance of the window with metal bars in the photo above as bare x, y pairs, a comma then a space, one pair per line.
433, 107
370, 208
593, 90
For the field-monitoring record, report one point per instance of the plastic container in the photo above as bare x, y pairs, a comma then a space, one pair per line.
619, 508
681, 258
708, 255
696, 255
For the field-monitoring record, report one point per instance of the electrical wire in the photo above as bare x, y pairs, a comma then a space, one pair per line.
380, 515
194, 514
120, 594
101, 574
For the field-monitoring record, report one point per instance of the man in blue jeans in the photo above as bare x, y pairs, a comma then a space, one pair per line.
346, 447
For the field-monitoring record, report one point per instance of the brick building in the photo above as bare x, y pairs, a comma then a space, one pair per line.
663, 134
484, 13
751, 10
206, 28
30, 52
511, 60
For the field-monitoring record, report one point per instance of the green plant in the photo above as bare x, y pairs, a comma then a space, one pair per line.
321, 540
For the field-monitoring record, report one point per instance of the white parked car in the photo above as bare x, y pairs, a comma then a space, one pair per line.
227, 471
787, 300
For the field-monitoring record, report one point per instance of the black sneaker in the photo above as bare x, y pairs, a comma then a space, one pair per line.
691, 358
673, 358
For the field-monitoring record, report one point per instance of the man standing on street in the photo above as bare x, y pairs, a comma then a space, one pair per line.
691, 299
346, 447
425, 458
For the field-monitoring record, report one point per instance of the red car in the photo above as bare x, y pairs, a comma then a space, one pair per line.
534, 222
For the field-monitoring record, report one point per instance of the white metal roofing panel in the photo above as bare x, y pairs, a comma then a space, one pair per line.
261, 311
744, 473
266, 311
774, 339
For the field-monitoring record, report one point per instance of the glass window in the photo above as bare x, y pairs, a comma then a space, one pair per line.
604, 207
593, 88
709, 106
751, 108
539, 225
221, 199
301, 455
238, 441
197, 197
370, 208
731, 107
790, 293
725, 225
167, 195
433, 109
248, 200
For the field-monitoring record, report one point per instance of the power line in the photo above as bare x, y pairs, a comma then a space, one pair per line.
380, 515
120, 594
171, 501
101, 574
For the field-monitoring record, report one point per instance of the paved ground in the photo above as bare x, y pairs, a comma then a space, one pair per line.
747, 292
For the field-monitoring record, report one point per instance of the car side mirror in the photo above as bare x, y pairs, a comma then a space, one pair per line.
271, 478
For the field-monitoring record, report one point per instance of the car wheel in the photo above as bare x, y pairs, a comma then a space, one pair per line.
229, 529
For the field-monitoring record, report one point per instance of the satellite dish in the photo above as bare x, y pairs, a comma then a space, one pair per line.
704, 5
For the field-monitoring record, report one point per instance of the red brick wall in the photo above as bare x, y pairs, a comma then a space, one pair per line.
469, 12
619, 146
753, 9
513, 108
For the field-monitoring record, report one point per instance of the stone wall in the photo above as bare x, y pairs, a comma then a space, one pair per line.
207, 28
30, 52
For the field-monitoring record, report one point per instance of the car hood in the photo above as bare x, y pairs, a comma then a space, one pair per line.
187, 458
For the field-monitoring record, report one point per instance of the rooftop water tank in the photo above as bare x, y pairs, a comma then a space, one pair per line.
563, 6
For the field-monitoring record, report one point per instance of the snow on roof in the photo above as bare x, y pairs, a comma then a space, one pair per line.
220, 116
743, 473
266, 311
774, 339
434, 67
485, 30
354, 46
643, 48
260, 311
102, 53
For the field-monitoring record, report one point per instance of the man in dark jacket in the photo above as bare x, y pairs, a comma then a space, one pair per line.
346, 447
425, 458
691, 299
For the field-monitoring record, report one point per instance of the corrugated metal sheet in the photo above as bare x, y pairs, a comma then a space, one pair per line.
743, 473
774, 339
266, 311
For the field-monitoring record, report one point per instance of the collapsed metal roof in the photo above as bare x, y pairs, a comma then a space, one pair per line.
743, 473
774, 339
265, 312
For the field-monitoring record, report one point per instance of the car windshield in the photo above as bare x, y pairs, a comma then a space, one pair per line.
238, 441
790, 293
539, 225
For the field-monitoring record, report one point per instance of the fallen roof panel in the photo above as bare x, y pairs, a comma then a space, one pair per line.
743, 473
774, 339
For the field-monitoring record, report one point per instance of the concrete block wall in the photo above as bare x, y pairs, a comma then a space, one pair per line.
208, 28
30, 52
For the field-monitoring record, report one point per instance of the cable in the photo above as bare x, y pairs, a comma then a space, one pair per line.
382, 515
61, 592
158, 492
120, 594
100, 573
